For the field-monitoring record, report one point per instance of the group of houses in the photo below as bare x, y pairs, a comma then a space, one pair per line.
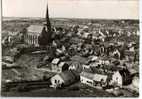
92, 56
9, 38
98, 72
65, 78
58, 66
95, 74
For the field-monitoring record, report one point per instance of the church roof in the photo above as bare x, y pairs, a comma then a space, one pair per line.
35, 28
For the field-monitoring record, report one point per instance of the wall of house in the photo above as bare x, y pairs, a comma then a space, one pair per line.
86, 81
135, 83
55, 68
117, 79
58, 69
56, 80
31, 39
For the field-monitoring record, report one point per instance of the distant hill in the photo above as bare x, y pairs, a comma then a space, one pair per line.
20, 18
17, 23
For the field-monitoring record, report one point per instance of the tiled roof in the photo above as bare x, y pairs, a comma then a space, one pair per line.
87, 75
67, 76
55, 61
95, 77
79, 59
99, 77
61, 64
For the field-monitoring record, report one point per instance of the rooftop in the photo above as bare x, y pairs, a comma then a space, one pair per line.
62, 64
93, 76
55, 61
99, 77
35, 28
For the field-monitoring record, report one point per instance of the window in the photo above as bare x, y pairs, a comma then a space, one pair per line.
58, 81
89, 82
55, 81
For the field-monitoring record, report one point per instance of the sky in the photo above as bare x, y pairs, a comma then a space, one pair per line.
100, 9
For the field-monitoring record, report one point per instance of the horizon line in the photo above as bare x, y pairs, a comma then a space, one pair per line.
74, 18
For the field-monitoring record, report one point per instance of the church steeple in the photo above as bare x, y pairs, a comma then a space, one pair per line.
48, 24
45, 37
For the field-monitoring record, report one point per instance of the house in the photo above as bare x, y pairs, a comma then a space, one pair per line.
8, 59
121, 77
46, 58
132, 71
129, 55
85, 66
79, 59
100, 79
65, 78
126, 76
9, 64
77, 62
4, 40
116, 54
135, 83
59, 52
87, 78
104, 60
76, 66
116, 79
54, 64
93, 79
94, 64
132, 49
85, 35
11, 38
63, 66
138, 33
94, 58
86, 28
58, 66
33, 32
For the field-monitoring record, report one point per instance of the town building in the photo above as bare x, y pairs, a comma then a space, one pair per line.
93, 79
116, 79
65, 78
135, 83
33, 32
58, 66
54, 64
86, 78
76, 66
